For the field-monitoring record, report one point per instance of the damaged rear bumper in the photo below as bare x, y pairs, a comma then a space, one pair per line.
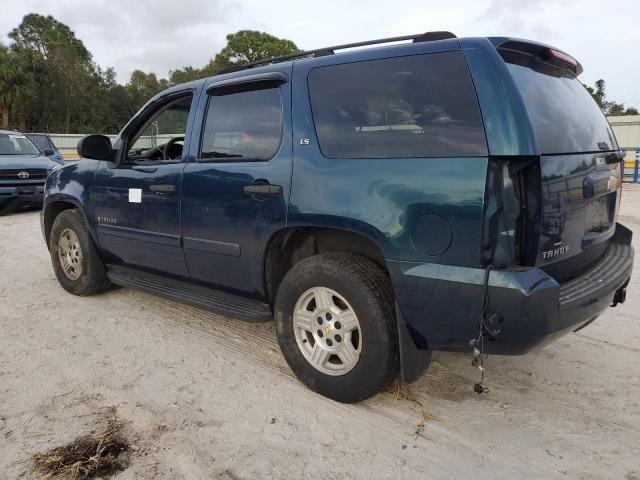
439, 305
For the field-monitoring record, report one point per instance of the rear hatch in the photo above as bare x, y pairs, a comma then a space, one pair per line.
579, 178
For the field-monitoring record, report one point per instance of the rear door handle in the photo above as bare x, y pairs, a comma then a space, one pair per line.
163, 188
263, 189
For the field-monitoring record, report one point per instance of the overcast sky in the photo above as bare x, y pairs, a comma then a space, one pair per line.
159, 35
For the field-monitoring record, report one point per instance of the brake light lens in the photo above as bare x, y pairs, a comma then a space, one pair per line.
561, 58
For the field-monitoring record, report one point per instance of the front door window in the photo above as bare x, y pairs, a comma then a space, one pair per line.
161, 138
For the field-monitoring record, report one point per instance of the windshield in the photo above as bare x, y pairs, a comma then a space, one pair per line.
564, 116
16, 144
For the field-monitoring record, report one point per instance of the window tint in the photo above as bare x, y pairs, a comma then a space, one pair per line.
564, 116
245, 125
40, 140
417, 106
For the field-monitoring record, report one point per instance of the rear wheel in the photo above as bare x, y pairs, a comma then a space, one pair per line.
336, 327
75, 261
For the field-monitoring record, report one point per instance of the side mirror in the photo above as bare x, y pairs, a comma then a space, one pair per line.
48, 152
97, 147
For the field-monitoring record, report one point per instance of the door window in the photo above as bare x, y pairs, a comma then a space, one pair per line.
402, 107
161, 137
242, 126
41, 141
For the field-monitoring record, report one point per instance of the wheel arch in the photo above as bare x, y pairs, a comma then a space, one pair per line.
291, 244
53, 207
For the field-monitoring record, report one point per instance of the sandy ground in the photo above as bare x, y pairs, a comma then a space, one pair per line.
211, 397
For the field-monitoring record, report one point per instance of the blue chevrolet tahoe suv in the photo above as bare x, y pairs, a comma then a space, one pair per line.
378, 203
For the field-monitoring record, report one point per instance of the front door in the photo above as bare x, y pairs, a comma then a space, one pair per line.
235, 193
137, 202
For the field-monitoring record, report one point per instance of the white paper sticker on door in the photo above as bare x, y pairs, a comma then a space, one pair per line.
135, 195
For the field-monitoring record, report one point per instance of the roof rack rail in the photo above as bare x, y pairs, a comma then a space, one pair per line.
321, 52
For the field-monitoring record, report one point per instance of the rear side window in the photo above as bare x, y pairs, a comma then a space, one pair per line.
415, 106
565, 118
242, 126
40, 140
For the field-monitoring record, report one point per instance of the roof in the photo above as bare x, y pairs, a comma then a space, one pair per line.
321, 56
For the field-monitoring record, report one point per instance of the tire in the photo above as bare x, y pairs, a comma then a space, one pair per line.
85, 274
348, 284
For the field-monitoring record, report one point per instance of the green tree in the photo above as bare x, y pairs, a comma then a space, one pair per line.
608, 107
142, 86
598, 92
184, 75
62, 70
49, 82
16, 85
248, 46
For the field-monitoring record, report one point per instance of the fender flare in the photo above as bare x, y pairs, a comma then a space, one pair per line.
63, 198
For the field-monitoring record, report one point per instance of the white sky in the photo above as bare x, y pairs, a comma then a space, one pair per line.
158, 35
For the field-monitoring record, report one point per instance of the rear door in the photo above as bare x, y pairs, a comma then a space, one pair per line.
580, 179
235, 193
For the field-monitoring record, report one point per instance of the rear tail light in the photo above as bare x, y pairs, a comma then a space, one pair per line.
621, 177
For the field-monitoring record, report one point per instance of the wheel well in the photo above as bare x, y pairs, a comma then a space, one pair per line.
51, 212
291, 245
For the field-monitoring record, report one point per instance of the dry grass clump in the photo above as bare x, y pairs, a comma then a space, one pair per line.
102, 453
402, 391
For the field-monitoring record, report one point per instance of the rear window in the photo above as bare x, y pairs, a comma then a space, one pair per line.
403, 107
565, 117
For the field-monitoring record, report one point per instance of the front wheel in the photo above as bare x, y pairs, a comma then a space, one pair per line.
336, 326
75, 261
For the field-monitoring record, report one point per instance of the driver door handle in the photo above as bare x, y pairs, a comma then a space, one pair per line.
163, 188
138, 168
263, 189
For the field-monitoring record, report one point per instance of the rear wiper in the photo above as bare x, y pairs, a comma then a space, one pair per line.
220, 155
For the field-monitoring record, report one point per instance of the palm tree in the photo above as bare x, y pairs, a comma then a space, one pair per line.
15, 85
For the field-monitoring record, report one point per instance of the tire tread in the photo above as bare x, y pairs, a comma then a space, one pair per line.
95, 281
364, 276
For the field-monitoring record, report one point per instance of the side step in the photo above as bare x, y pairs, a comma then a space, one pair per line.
202, 297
